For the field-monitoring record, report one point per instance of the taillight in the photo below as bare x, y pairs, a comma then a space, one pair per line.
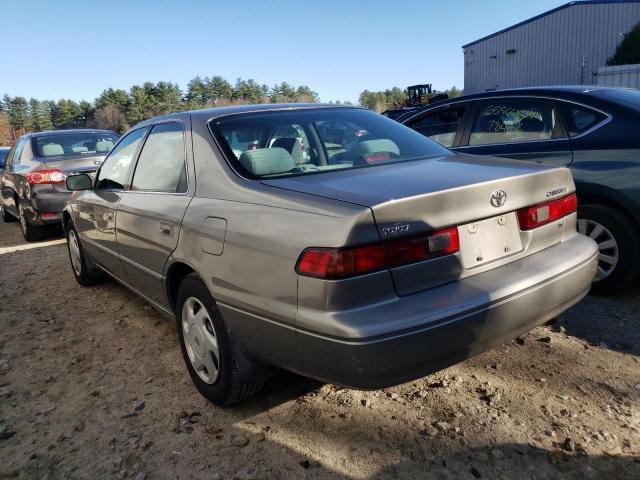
39, 177
340, 262
543, 213
335, 263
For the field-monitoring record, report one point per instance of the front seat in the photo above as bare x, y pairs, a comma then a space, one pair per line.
291, 145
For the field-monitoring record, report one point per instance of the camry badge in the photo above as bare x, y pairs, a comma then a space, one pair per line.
395, 229
498, 198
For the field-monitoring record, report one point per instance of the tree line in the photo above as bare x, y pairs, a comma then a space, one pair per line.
118, 109
393, 98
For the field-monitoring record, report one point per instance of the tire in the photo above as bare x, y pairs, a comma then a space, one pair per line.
31, 233
6, 216
618, 240
229, 377
85, 275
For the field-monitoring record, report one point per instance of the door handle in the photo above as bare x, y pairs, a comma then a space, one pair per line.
166, 229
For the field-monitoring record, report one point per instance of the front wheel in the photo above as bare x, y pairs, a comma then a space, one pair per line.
218, 364
6, 216
618, 242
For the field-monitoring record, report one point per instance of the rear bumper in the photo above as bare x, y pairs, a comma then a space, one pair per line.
448, 324
45, 207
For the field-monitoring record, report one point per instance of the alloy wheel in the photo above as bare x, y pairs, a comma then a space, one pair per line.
608, 251
200, 340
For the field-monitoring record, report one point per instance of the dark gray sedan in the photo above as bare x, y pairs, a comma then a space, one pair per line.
591, 130
366, 263
32, 183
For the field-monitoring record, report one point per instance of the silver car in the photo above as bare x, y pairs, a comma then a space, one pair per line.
365, 264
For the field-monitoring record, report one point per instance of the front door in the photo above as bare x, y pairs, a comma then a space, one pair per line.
150, 212
96, 210
519, 128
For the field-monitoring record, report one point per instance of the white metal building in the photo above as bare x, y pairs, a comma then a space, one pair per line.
564, 46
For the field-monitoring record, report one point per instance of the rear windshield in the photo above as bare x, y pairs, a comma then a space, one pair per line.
307, 141
74, 144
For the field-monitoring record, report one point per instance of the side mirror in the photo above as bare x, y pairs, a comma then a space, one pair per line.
79, 182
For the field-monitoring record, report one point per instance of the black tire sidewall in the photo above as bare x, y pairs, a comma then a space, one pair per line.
30, 233
625, 233
192, 286
85, 278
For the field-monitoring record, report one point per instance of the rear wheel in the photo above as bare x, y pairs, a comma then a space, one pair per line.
218, 364
79, 265
618, 245
30, 232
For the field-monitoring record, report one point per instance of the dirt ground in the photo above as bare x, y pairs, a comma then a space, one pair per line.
92, 385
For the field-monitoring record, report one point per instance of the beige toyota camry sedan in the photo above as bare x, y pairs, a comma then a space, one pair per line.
326, 240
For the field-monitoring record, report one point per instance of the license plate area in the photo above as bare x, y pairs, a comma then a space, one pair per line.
489, 240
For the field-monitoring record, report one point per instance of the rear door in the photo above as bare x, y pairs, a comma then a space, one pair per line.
12, 180
150, 212
524, 128
443, 125
96, 209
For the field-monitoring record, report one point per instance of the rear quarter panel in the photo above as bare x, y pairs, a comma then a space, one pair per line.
252, 277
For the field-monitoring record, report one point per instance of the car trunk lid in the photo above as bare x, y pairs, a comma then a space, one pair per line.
410, 198
72, 165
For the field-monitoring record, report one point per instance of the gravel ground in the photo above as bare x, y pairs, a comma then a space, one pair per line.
92, 385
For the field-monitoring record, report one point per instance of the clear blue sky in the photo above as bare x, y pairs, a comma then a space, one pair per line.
75, 49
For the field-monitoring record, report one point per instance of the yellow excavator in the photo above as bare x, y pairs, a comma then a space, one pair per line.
417, 96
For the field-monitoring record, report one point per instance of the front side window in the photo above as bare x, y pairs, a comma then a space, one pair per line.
440, 126
115, 168
74, 144
9, 157
513, 122
161, 165
306, 141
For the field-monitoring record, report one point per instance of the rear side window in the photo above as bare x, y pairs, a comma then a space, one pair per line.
440, 126
18, 151
115, 168
514, 122
582, 119
161, 166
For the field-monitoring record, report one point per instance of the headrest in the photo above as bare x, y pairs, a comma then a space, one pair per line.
266, 161
291, 145
52, 150
79, 149
531, 124
104, 146
376, 146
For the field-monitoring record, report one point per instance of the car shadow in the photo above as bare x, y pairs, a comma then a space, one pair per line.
513, 460
621, 332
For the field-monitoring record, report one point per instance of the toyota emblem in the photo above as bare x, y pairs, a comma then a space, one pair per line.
498, 198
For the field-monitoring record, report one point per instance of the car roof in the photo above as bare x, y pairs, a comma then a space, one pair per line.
562, 92
67, 132
209, 113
